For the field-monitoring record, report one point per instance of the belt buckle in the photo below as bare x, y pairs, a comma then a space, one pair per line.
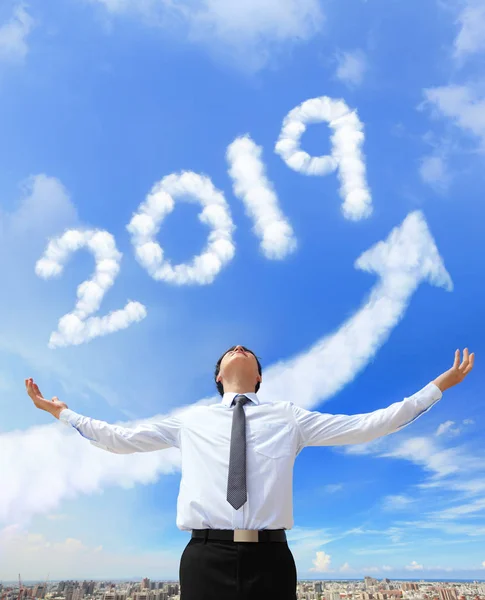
246, 535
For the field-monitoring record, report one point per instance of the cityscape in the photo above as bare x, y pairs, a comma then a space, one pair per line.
367, 589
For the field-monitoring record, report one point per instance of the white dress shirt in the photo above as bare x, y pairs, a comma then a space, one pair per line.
276, 432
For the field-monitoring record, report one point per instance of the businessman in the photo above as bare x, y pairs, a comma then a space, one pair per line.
237, 466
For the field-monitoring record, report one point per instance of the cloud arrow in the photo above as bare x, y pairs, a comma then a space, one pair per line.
407, 258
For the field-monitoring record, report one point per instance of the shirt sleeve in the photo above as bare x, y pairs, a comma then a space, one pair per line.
320, 429
123, 440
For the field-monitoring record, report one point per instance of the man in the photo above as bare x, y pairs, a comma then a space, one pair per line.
238, 549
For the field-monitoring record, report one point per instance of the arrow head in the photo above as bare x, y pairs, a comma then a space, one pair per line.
409, 253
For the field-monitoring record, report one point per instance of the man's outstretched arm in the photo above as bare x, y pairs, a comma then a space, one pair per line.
320, 429
113, 438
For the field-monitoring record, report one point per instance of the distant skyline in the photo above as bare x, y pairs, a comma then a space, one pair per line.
135, 579
324, 162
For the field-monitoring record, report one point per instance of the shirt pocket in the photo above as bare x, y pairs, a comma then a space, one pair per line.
272, 440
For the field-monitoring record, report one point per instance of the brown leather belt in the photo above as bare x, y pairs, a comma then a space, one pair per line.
241, 535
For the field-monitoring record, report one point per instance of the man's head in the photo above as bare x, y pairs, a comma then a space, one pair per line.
238, 364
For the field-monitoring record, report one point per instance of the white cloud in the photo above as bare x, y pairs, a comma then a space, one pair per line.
159, 203
371, 569
483, 564
347, 156
351, 67
414, 566
331, 488
252, 186
75, 327
44, 207
450, 469
464, 105
13, 36
434, 171
468, 422
471, 36
57, 448
57, 517
321, 562
424, 452
455, 512
447, 427
449, 527
34, 554
249, 32
469, 486
396, 502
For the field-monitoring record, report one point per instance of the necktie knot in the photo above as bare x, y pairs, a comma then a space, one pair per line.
241, 399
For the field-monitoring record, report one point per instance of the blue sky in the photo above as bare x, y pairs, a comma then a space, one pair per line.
354, 284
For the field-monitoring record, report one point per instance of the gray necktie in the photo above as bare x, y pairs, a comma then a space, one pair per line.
236, 483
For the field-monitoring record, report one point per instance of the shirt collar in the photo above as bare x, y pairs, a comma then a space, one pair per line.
229, 397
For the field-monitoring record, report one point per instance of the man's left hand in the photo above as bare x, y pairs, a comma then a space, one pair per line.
458, 371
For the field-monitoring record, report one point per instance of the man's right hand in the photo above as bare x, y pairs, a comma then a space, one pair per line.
53, 406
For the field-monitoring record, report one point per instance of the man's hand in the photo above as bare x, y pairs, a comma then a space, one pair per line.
53, 406
458, 371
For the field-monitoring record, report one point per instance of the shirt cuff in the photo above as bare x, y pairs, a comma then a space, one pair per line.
68, 416
432, 393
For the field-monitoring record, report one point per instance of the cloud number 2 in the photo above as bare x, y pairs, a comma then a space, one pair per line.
78, 326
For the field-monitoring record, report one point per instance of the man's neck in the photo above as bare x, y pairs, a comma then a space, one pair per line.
239, 387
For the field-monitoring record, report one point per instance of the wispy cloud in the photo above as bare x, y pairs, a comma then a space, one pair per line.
470, 508
452, 469
347, 156
464, 105
447, 526
331, 488
13, 36
73, 558
159, 203
471, 35
44, 206
440, 462
249, 33
396, 502
447, 427
414, 566
252, 186
351, 67
435, 172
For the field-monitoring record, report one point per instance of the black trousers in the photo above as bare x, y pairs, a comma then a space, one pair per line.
228, 570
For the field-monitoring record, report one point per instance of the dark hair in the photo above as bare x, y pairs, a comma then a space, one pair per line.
219, 385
